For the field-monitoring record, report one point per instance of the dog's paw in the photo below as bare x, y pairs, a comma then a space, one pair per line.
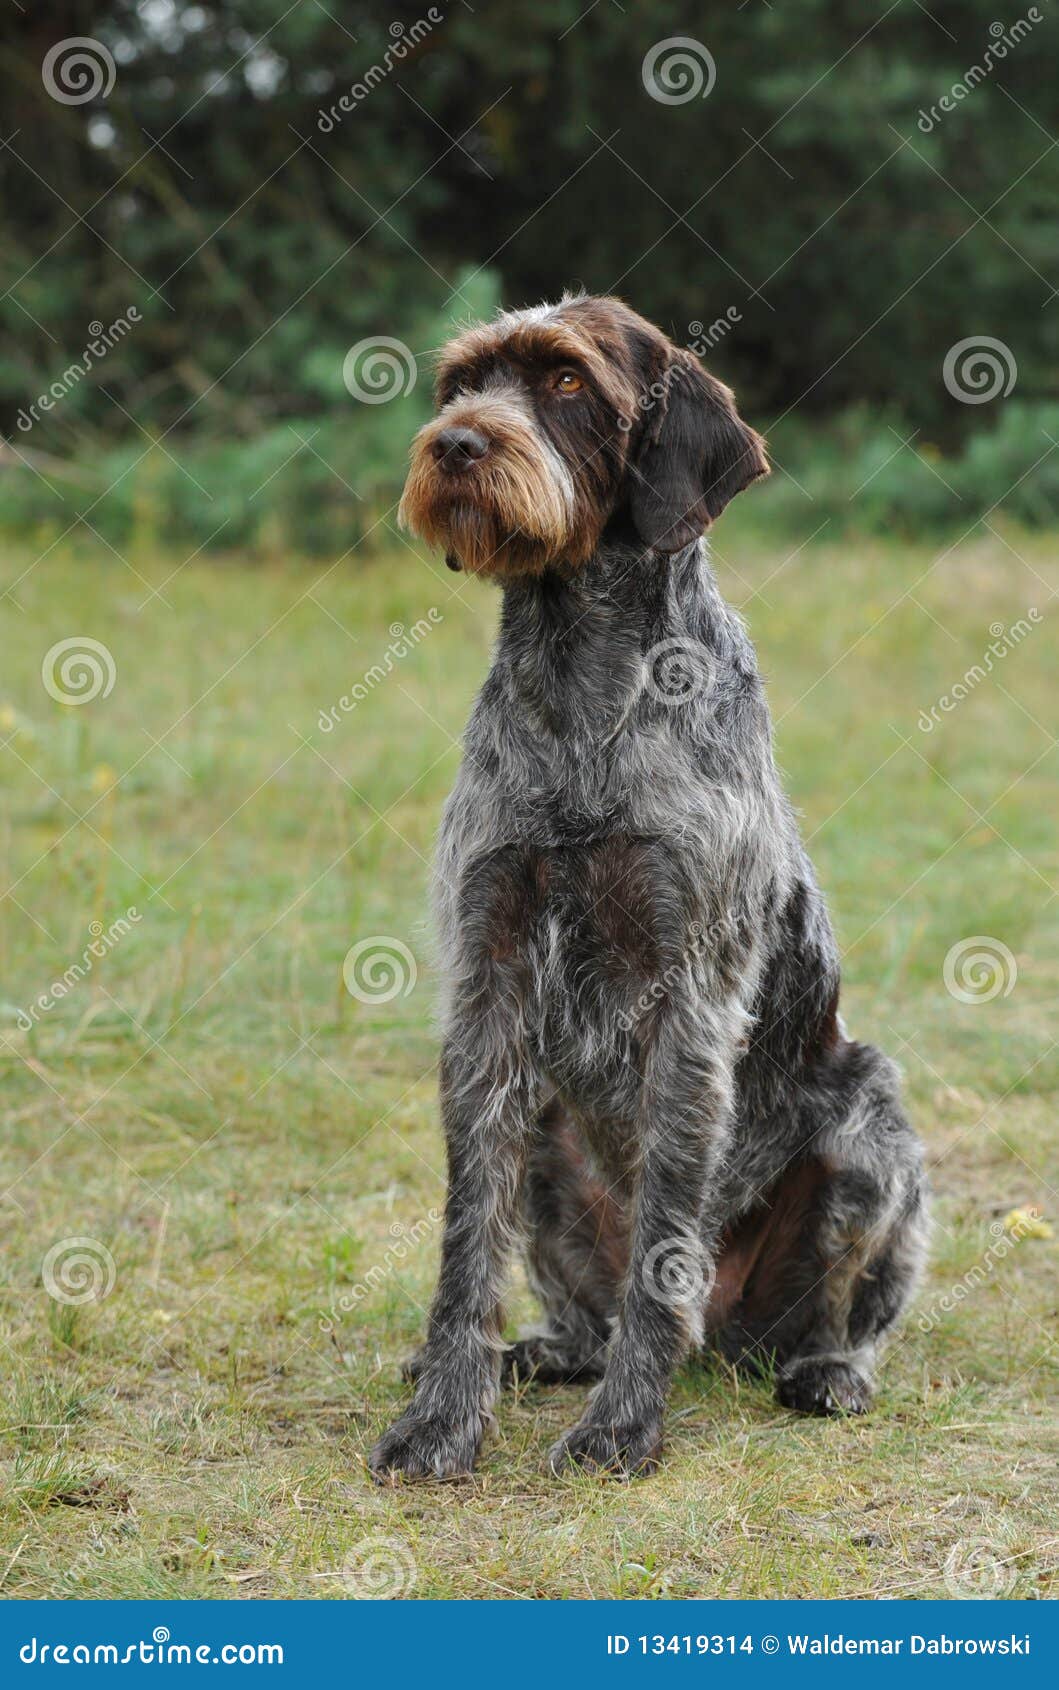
622, 1452
548, 1364
416, 1447
820, 1386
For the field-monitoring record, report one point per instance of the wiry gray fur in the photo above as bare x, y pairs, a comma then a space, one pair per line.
644, 1076
694, 1111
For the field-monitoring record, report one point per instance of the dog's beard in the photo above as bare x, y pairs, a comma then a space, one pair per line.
511, 513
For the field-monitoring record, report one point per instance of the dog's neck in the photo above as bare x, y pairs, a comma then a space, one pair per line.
573, 643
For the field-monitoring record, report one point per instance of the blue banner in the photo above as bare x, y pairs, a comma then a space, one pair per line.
450, 1643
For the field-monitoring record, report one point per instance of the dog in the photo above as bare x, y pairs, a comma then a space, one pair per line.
644, 1076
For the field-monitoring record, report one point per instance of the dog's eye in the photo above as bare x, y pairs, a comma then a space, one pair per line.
568, 381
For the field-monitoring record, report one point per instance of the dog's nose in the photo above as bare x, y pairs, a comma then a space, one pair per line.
456, 448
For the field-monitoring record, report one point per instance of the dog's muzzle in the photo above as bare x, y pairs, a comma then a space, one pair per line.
488, 487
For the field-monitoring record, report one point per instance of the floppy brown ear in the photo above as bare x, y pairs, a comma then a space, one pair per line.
693, 458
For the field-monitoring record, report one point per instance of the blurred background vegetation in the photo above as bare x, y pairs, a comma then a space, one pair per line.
501, 153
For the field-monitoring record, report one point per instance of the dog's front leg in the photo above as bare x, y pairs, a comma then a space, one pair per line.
486, 1107
685, 1108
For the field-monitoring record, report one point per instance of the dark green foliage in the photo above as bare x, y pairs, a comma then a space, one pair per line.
511, 151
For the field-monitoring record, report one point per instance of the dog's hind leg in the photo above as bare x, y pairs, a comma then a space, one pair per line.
576, 1254
836, 1248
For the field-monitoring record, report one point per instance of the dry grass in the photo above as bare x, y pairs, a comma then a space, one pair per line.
213, 1108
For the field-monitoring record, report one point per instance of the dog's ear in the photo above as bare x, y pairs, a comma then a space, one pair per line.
695, 454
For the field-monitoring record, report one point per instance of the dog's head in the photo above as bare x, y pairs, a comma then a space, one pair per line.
554, 421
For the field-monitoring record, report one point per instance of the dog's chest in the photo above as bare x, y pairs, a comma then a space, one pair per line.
586, 939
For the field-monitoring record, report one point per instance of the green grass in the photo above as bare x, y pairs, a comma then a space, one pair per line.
259, 1152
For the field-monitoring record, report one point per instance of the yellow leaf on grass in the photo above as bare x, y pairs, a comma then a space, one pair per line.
1027, 1223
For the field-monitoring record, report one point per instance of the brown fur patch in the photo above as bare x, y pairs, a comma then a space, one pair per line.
755, 1256
507, 511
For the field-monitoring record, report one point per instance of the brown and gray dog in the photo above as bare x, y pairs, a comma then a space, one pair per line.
644, 1074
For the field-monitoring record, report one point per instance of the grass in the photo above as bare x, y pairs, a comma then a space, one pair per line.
253, 1153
